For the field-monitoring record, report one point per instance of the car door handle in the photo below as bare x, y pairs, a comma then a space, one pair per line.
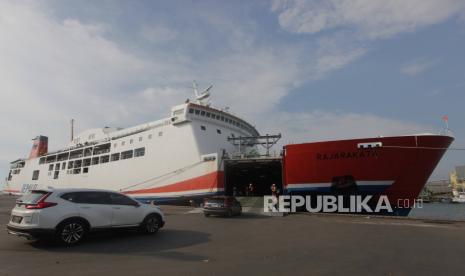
116, 207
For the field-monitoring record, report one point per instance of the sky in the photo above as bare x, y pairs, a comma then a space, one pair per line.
311, 70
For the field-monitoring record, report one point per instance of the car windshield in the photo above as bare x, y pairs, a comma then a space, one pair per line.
32, 197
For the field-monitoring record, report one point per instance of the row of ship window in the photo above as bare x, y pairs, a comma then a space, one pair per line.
10, 175
150, 136
74, 167
74, 154
218, 117
204, 128
15, 169
79, 153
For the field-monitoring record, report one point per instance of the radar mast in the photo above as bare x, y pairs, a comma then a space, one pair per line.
201, 98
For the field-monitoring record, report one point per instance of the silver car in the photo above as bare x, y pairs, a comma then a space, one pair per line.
69, 214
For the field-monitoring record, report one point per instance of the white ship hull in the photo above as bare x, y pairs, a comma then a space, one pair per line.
182, 158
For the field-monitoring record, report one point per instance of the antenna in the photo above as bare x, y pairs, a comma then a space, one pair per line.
194, 86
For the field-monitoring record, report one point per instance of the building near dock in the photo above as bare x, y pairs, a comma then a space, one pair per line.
436, 190
457, 178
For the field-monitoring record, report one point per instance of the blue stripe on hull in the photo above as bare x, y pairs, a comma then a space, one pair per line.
365, 189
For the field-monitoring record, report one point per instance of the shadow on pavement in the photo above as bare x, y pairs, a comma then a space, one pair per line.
126, 242
244, 216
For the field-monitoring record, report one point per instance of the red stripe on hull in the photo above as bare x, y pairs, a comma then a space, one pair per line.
408, 160
10, 191
208, 181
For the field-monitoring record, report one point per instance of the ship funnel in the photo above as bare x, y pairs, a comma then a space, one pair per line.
39, 146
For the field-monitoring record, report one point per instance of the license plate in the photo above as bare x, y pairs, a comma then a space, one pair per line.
16, 219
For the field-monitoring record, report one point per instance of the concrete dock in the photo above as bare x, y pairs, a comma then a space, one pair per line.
299, 244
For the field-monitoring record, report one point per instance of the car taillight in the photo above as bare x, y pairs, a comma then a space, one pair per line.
41, 204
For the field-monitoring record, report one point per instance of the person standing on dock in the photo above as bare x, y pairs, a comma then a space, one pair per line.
251, 190
274, 190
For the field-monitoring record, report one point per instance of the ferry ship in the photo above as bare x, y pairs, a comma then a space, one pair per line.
199, 150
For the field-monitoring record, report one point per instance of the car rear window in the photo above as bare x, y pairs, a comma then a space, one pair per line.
33, 197
215, 200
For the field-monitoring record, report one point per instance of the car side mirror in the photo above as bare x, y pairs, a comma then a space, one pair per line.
136, 204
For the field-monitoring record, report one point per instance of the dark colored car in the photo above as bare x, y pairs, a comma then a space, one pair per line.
222, 205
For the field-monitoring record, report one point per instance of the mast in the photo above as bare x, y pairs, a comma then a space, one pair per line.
201, 98
72, 130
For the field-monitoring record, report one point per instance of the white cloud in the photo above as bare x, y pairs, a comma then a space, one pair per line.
334, 53
371, 18
323, 125
253, 82
56, 70
346, 28
52, 71
418, 66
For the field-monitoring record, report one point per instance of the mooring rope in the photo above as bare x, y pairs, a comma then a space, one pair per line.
431, 148
163, 175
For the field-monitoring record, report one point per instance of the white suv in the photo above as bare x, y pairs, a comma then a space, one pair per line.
68, 214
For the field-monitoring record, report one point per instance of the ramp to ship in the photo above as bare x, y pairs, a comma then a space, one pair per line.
254, 206
261, 172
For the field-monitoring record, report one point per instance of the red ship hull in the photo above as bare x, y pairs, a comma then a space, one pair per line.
397, 167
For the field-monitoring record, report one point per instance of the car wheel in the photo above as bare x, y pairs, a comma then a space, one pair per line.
206, 214
71, 232
151, 224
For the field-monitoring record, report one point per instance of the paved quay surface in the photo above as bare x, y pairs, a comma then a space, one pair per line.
191, 244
